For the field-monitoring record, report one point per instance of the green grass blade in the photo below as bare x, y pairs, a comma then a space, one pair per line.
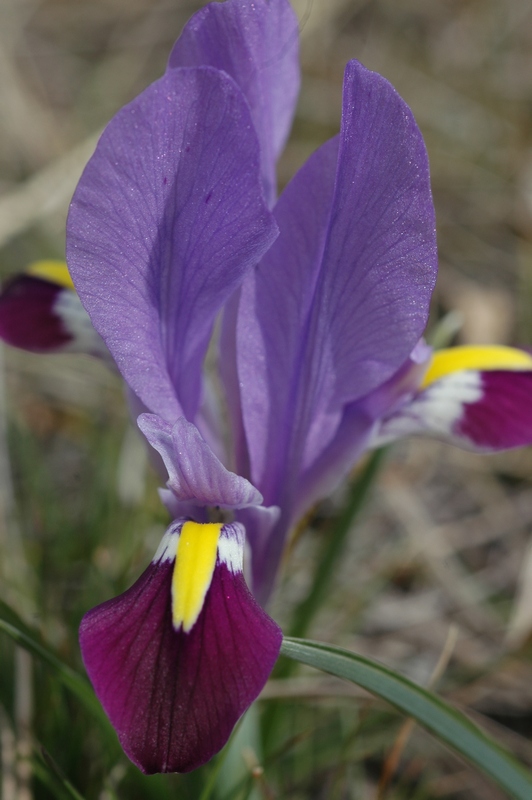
9, 614
67, 788
72, 680
334, 546
446, 723
42, 774
324, 571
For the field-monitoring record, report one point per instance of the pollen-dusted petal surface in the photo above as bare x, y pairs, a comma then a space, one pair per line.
174, 697
194, 473
483, 411
257, 45
167, 218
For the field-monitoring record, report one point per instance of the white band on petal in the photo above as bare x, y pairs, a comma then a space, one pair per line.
231, 547
436, 410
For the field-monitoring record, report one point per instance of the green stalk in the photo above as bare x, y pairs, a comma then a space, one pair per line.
333, 547
324, 570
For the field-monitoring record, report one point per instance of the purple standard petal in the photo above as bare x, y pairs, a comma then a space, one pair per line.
166, 220
195, 473
230, 379
380, 260
359, 423
275, 306
45, 317
256, 43
356, 432
342, 297
174, 697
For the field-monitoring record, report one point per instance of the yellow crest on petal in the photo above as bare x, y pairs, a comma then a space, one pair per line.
193, 570
52, 271
453, 359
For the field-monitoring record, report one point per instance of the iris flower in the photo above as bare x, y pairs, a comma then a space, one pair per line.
318, 300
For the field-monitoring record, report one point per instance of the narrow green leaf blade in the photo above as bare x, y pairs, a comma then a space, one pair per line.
73, 681
54, 769
446, 723
334, 545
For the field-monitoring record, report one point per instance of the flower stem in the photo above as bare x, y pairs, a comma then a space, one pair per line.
332, 549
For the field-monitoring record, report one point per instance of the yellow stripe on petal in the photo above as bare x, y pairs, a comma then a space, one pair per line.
483, 359
193, 570
53, 271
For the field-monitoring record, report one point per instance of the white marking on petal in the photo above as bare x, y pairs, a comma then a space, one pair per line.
76, 322
231, 547
435, 410
168, 547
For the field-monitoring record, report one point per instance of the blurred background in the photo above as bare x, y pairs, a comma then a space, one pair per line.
437, 579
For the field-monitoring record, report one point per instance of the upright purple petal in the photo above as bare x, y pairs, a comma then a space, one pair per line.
380, 261
257, 45
232, 385
341, 298
174, 697
275, 307
194, 473
166, 220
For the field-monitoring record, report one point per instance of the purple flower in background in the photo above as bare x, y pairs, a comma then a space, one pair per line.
322, 298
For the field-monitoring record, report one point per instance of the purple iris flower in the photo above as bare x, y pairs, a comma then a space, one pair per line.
318, 302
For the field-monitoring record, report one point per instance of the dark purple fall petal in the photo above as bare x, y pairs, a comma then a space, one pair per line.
45, 317
166, 220
195, 474
27, 316
482, 411
502, 417
173, 697
257, 45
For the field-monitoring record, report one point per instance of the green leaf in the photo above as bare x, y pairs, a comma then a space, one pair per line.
62, 782
446, 723
72, 680
333, 545
324, 571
